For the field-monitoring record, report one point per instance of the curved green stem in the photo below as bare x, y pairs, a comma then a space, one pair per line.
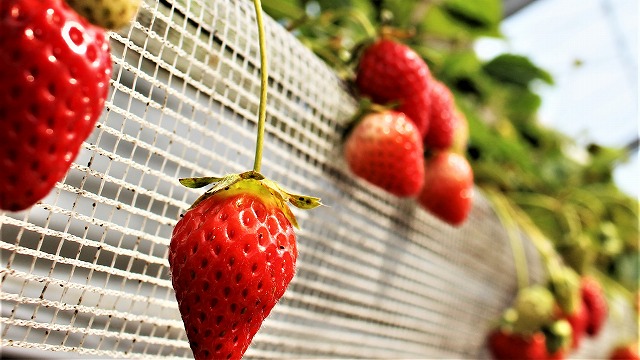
264, 78
515, 240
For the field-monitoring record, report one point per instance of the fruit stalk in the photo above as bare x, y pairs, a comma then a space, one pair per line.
264, 77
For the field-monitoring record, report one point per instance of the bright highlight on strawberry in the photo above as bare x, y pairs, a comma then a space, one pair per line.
54, 70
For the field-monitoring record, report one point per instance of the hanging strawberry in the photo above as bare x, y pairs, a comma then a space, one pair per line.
233, 254
448, 187
385, 148
390, 72
54, 70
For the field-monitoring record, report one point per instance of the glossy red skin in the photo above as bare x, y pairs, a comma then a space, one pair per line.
390, 72
596, 304
231, 260
386, 150
442, 119
625, 352
509, 346
54, 70
447, 192
578, 321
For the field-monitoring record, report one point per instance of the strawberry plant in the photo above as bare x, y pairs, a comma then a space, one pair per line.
233, 253
568, 205
54, 69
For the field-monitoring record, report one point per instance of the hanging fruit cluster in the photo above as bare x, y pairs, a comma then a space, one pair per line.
55, 67
567, 205
549, 322
414, 115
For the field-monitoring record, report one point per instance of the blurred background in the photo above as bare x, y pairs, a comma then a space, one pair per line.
591, 49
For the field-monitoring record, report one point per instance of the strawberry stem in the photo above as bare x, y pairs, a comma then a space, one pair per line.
501, 207
262, 107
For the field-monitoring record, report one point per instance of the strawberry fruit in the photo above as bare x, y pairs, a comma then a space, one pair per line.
54, 70
505, 345
442, 117
232, 256
625, 352
447, 192
385, 149
596, 304
578, 320
390, 72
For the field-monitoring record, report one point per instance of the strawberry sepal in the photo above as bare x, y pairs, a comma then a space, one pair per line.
254, 182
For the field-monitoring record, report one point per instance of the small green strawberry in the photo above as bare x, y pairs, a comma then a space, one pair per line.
109, 14
535, 306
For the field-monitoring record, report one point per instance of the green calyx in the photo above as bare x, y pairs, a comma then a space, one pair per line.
255, 183
558, 336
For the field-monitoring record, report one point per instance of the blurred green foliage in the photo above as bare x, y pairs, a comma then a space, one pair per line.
566, 190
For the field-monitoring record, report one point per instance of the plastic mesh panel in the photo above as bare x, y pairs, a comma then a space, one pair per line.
86, 270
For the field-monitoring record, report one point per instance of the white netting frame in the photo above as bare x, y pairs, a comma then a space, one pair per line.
86, 272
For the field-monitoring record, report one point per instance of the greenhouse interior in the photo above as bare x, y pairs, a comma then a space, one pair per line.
319, 179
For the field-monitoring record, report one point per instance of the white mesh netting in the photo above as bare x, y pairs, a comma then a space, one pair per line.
85, 272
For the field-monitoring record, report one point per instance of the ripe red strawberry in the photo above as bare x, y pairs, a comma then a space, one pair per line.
447, 192
232, 257
54, 70
510, 346
625, 352
390, 72
386, 150
578, 320
596, 304
442, 119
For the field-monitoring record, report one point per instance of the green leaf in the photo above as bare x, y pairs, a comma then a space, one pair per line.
522, 104
476, 14
516, 69
283, 9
